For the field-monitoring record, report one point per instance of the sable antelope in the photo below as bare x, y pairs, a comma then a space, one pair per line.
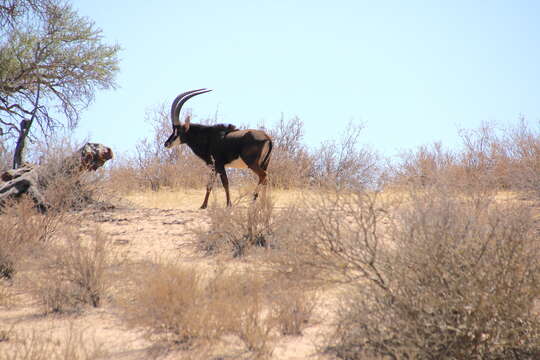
220, 146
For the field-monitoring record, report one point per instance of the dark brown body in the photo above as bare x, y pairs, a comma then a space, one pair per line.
221, 146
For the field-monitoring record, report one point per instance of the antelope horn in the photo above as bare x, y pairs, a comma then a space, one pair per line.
180, 100
175, 102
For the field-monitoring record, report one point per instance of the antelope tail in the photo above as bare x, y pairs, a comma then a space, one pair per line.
266, 160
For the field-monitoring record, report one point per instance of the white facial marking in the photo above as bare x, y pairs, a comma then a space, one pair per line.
176, 141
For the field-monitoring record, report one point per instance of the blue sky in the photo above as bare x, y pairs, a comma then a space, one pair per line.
412, 72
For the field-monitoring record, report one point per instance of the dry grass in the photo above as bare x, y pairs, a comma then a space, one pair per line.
73, 273
200, 311
293, 310
168, 199
73, 344
6, 296
443, 264
239, 228
168, 301
192, 198
180, 305
250, 225
64, 269
25, 232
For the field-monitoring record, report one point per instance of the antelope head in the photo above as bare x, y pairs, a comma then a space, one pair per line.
179, 130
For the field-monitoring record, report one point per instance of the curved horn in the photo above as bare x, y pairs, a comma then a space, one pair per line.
176, 100
180, 101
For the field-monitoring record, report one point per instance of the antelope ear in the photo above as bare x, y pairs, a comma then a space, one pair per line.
187, 121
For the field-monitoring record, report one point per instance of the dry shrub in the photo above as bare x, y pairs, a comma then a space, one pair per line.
462, 281
24, 234
492, 157
292, 309
180, 305
152, 166
254, 327
238, 228
156, 167
168, 301
74, 273
330, 236
34, 345
470, 168
248, 226
522, 149
427, 165
290, 164
431, 274
58, 180
121, 176
70, 192
344, 162
66, 189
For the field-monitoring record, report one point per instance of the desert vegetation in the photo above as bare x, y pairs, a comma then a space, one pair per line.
432, 256
346, 255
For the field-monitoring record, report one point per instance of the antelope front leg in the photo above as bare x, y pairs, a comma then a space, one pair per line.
209, 186
225, 182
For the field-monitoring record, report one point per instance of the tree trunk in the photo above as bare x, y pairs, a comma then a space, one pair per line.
21, 142
23, 134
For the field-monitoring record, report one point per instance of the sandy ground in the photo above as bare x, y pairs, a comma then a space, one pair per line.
147, 227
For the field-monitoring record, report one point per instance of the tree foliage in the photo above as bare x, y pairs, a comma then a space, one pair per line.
51, 62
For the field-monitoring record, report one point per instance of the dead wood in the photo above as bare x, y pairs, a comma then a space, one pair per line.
33, 180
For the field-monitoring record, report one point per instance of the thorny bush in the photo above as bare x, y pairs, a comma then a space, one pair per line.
431, 273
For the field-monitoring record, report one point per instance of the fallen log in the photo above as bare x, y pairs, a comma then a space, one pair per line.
32, 180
